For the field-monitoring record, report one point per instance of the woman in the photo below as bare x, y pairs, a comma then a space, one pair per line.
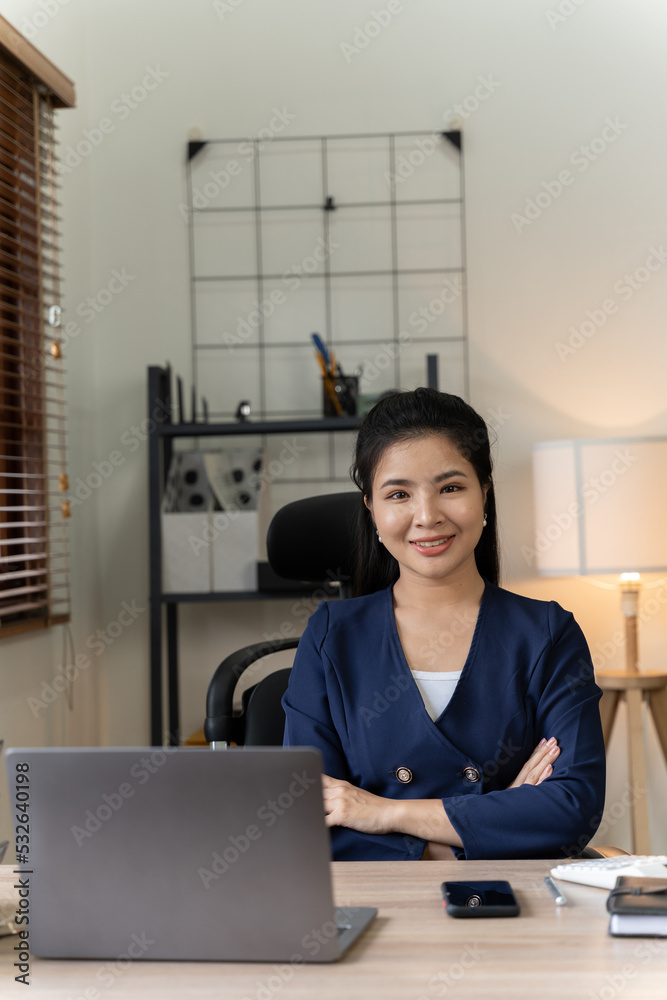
452, 715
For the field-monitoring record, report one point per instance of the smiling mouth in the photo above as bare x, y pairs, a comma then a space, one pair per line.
432, 543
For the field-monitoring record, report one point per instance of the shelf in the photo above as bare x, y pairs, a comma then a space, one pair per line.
313, 426
240, 595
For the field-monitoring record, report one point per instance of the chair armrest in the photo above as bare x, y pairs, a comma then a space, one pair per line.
219, 724
602, 851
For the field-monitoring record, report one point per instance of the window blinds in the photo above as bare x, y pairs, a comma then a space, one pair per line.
34, 581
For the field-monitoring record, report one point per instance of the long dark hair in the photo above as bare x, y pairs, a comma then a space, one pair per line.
400, 416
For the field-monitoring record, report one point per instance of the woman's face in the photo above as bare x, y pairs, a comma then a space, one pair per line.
428, 507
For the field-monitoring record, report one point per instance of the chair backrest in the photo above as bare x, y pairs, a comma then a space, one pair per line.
311, 540
315, 539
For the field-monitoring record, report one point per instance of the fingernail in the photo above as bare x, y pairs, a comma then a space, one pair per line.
552, 741
554, 751
542, 742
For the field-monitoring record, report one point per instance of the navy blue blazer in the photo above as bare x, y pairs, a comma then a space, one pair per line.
528, 674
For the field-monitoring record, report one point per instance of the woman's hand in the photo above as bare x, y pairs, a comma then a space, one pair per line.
538, 767
347, 805
437, 852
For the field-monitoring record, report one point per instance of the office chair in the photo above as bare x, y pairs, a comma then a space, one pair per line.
311, 540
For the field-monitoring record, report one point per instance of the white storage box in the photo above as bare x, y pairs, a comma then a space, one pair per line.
213, 551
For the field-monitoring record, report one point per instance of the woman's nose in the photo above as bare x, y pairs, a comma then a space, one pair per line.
428, 511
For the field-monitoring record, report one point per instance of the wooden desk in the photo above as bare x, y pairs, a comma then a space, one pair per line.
412, 951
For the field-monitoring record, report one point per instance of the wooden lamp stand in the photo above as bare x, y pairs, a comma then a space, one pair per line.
635, 687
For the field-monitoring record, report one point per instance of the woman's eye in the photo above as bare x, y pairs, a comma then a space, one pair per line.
398, 495
451, 488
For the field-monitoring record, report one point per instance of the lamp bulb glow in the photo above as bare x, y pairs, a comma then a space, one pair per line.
630, 585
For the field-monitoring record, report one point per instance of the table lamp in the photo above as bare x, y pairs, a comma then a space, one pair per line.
601, 508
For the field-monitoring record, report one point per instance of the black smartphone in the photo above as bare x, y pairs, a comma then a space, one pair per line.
479, 899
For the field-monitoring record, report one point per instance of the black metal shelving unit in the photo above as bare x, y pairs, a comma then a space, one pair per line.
164, 606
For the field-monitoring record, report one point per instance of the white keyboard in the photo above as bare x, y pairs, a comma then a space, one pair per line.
603, 872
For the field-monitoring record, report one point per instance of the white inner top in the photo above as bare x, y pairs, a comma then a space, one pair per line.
436, 688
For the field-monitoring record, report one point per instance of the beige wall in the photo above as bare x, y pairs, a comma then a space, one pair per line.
225, 67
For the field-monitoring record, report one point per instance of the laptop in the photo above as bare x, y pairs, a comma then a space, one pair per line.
178, 853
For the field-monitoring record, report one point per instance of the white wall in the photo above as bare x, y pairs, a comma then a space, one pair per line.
226, 66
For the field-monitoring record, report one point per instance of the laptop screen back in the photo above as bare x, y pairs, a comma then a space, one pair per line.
177, 853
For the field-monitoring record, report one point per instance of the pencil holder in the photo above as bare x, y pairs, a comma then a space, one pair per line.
339, 395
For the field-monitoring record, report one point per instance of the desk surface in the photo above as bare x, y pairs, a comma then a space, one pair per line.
413, 950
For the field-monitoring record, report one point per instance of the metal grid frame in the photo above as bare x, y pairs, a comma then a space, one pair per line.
326, 206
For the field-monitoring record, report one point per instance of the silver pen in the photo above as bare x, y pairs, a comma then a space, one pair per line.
555, 891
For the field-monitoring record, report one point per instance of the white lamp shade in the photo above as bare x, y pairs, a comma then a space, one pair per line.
600, 506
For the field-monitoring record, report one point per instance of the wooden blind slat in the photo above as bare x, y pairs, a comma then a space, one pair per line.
24, 540
4, 560
14, 609
23, 574
20, 524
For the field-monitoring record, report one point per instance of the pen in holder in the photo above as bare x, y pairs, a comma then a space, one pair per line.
339, 395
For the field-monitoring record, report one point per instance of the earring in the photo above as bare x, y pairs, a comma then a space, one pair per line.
378, 534
485, 521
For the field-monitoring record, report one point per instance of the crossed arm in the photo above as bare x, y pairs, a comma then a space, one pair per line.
353, 807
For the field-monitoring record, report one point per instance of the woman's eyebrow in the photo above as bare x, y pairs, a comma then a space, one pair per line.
436, 479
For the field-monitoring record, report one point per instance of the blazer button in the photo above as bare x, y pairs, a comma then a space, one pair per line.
404, 774
471, 774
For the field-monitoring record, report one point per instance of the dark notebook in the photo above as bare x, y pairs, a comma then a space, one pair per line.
638, 907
